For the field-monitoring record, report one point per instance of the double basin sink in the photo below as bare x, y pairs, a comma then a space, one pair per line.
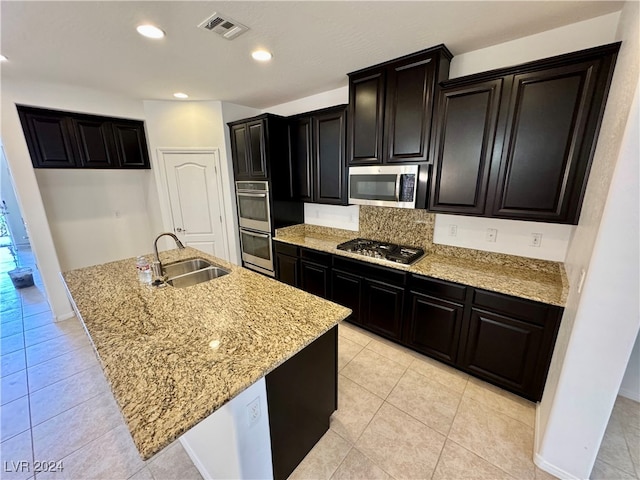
191, 272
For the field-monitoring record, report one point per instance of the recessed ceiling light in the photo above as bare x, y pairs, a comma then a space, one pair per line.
150, 31
261, 55
3, 58
180, 95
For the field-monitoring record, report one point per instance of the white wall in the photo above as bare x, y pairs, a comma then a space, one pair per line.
600, 324
314, 102
335, 216
19, 234
630, 386
46, 226
191, 125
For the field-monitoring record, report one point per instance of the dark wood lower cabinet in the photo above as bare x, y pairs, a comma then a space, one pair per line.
434, 326
302, 393
383, 311
287, 269
314, 278
346, 290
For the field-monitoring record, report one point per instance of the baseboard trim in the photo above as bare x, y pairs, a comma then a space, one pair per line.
540, 462
65, 316
630, 394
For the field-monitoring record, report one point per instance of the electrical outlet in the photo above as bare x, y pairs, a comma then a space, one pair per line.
453, 230
253, 411
536, 239
492, 234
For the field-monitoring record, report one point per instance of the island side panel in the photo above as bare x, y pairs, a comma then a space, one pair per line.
302, 395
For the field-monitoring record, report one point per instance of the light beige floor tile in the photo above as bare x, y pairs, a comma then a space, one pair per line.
12, 362
400, 445
41, 352
496, 437
604, 471
374, 372
38, 320
51, 331
542, 475
61, 367
356, 408
441, 373
347, 349
355, 334
13, 453
501, 401
613, 449
12, 343
65, 394
431, 403
30, 307
357, 466
11, 328
13, 387
110, 456
14, 418
458, 463
10, 308
172, 463
628, 411
633, 443
323, 459
392, 351
63, 434
144, 474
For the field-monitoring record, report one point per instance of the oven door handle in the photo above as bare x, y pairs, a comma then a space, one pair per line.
261, 235
242, 194
398, 177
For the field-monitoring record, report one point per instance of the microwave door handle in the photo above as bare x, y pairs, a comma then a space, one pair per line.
398, 177
252, 194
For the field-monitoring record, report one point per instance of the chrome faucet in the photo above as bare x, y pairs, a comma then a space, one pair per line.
155, 248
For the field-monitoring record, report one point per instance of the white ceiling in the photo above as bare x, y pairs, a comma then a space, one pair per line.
315, 44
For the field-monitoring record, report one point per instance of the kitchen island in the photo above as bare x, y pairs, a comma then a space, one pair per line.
173, 356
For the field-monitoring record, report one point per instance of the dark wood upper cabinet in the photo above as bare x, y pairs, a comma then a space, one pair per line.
317, 156
65, 139
391, 108
240, 150
518, 142
257, 152
465, 139
248, 150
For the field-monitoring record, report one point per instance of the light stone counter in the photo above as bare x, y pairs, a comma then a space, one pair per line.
153, 343
537, 280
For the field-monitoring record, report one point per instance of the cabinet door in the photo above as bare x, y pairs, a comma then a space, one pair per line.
434, 326
131, 144
287, 269
49, 138
95, 143
314, 278
383, 308
467, 119
301, 152
240, 151
346, 290
409, 106
257, 152
503, 350
330, 177
366, 118
544, 160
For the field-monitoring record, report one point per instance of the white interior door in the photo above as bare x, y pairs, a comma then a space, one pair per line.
194, 189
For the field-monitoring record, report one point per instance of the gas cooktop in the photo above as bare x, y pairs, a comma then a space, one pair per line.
382, 250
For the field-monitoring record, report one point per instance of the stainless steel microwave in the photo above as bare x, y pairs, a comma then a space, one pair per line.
384, 185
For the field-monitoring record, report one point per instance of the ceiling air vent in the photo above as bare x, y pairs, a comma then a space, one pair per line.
223, 26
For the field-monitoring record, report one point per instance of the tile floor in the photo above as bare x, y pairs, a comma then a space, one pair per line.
401, 414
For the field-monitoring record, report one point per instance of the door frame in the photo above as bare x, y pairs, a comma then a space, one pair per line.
163, 189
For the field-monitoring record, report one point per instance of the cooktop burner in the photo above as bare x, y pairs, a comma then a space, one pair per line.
385, 251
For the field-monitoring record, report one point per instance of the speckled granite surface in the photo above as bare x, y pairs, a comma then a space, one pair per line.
537, 280
153, 343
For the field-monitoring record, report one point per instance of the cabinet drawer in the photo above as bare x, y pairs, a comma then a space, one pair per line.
528, 310
320, 258
367, 270
438, 288
285, 248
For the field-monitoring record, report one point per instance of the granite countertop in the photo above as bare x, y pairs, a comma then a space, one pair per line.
517, 276
154, 343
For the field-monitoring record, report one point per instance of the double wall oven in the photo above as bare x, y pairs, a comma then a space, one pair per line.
254, 217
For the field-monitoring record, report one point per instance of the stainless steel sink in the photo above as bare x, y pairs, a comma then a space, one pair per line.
191, 272
185, 266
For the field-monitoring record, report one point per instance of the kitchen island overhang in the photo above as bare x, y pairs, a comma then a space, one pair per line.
174, 356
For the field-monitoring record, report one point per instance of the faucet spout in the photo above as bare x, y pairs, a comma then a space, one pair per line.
155, 246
